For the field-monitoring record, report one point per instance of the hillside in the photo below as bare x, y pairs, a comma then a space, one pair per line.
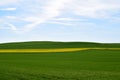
50, 44
68, 62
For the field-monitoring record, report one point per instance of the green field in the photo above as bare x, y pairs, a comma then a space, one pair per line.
77, 65
53, 45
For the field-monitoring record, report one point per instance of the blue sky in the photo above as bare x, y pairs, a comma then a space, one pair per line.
60, 20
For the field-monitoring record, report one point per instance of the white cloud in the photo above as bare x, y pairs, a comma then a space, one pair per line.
0, 20
31, 19
12, 26
8, 9
94, 8
8, 2
11, 17
6, 28
67, 19
36, 12
52, 9
87, 8
61, 23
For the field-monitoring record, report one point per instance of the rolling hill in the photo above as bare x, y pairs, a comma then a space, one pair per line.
51, 45
102, 63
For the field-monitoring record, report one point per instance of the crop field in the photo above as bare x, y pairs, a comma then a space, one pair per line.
53, 50
43, 50
60, 63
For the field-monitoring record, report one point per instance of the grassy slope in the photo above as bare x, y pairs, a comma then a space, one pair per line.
81, 65
38, 45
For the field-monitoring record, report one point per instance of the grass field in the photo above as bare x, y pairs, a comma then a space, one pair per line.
88, 64
54, 45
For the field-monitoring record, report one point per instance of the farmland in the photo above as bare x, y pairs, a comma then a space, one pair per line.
96, 62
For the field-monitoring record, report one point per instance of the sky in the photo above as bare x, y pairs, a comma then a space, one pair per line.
60, 20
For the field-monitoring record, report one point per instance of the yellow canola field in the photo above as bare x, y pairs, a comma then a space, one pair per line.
44, 50
53, 50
